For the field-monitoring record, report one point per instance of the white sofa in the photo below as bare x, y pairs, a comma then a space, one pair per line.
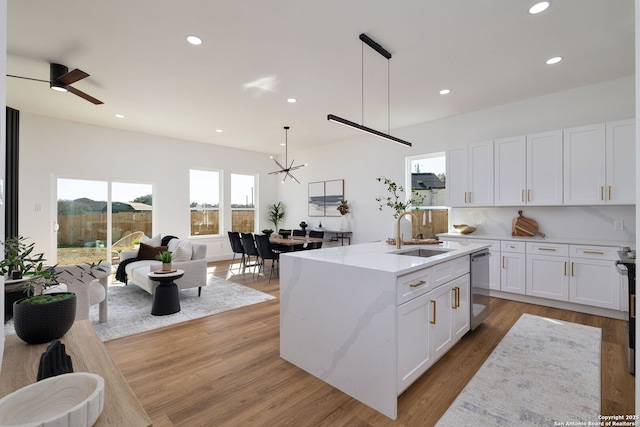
195, 269
89, 290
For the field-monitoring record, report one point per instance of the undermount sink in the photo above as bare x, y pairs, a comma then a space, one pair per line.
424, 253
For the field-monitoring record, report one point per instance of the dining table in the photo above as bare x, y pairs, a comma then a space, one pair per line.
292, 242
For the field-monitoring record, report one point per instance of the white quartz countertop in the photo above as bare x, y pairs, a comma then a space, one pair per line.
384, 257
569, 241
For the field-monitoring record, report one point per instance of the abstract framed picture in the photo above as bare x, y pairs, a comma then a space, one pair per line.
333, 194
316, 198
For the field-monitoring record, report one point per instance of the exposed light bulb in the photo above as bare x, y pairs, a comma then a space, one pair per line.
539, 7
554, 60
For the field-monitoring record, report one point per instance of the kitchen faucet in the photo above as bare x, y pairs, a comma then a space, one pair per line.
398, 236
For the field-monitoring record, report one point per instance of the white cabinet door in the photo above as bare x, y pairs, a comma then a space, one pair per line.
440, 320
510, 171
470, 175
414, 356
460, 308
621, 167
480, 174
595, 282
547, 276
457, 166
584, 165
512, 273
544, 169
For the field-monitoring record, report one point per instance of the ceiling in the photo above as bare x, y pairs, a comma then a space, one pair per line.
255, 54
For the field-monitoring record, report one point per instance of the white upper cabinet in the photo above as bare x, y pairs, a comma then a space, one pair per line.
584, 165
510, 162
528, 170
470, 175
599, 164
544, 169
621, 166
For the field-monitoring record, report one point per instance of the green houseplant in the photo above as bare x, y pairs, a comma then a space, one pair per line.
393, 200
166, 258
276, 214
39, 317
267, 231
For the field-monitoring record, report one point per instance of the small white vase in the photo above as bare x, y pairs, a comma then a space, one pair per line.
344, 222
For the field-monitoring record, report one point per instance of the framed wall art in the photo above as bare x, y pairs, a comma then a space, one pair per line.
316, 198
325, 196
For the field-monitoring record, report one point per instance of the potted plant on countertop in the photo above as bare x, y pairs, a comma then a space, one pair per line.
343, 208
303, 226
393, 201
41, 316
165, 257
276, 214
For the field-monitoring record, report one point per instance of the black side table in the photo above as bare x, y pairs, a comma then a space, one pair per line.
165, 296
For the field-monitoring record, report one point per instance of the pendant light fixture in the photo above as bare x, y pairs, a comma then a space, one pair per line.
286, 170
331, 117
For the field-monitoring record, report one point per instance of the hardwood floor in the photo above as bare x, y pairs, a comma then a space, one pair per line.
225, 370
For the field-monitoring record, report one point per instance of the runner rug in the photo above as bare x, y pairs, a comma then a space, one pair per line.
130, 307
544, 372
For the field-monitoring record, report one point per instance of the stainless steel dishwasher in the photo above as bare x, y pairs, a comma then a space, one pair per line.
479, 297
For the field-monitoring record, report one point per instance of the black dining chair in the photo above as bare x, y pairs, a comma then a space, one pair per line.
266, 252
250, 250
236, 247
315, 245
300, 233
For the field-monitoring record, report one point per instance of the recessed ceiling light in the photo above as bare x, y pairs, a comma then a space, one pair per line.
219, 130
291, 100
539, 7
194, 40
554, 60
119, 116
445, 91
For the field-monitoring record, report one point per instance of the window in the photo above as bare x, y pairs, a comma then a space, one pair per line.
427, 176
243, 203
204, 202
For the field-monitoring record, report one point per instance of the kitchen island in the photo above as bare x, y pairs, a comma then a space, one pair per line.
370, 321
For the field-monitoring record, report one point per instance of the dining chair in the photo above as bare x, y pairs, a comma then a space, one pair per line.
315, 245
299, 233
266, 252
236, 247
249, 245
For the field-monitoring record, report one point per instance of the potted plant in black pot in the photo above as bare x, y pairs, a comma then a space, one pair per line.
267, 231
40, 316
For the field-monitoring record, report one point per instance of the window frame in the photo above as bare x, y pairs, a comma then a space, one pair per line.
219, 209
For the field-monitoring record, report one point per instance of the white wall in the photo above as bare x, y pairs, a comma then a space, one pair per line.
363, 159
51, 149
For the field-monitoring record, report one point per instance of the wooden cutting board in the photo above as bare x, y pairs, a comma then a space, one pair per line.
422, 242
524, 227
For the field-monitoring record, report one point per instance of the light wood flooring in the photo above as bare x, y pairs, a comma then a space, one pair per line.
225, 370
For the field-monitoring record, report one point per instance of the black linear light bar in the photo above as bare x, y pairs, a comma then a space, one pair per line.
349, 123
331, 117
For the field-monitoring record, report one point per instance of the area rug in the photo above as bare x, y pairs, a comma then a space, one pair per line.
544, 372
130, 307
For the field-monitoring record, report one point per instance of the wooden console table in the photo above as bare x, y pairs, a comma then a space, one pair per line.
88, 353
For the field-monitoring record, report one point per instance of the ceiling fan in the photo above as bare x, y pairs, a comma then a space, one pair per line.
60, 79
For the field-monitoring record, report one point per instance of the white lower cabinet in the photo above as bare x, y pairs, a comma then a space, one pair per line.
512, 267
547, 277
593, 277
428, 326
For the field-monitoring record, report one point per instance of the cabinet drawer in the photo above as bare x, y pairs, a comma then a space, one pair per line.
508, 246
594, 252
447, 271
551, 249
495, 244
413, 285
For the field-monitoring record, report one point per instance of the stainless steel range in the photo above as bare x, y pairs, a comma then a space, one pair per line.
628, 263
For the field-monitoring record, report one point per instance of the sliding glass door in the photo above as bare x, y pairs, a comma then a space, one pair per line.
97, 219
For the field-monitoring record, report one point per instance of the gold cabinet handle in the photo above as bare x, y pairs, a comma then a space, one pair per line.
609, 192
465, 197
415, 285
632, 309
523, 195
503, 267
547, 249
433, 322
602, 192
458, 298
469, 196
565, 268
593, 252
528, 195
572, 269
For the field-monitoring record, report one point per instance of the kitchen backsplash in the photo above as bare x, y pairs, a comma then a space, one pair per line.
575, 222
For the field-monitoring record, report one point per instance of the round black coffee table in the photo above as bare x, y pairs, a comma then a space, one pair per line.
165, 296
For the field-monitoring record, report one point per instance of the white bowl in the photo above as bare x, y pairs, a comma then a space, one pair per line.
74, 399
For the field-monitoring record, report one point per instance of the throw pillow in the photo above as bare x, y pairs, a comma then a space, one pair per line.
175, 243
153, 241
150, 252
181, 254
